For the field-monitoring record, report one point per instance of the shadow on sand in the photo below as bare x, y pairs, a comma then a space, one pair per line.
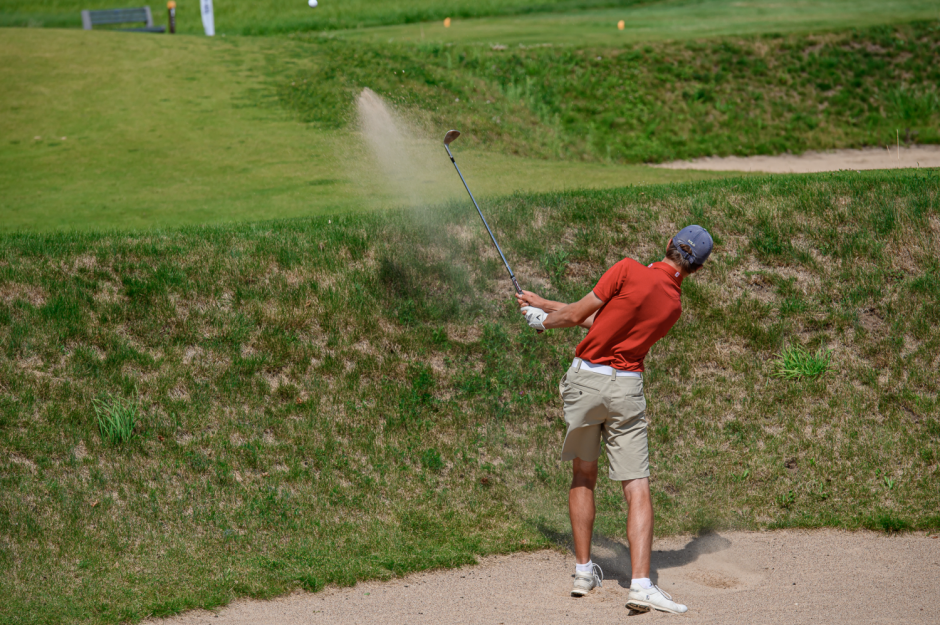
614, 557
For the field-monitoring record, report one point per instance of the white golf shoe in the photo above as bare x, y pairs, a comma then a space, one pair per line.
653, 598
586, 582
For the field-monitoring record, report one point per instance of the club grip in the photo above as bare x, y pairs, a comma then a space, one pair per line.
519, 291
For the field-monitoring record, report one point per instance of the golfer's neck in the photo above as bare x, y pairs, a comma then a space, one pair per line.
675, 266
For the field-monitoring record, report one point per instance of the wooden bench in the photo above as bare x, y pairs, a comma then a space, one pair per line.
122, 16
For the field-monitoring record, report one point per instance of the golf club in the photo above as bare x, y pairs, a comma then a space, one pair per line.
448, 139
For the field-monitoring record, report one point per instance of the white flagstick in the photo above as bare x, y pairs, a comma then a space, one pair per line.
208, 20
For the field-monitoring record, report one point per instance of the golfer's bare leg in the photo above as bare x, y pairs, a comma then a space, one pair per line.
581, 507
639, 524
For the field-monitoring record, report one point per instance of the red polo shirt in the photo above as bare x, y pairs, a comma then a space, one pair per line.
641, 304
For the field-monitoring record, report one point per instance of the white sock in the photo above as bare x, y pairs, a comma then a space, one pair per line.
642, 582
584, 568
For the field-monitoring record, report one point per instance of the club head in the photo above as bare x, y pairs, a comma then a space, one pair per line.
450, 136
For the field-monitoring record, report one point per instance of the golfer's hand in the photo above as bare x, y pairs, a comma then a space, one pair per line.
528, 298
535, 317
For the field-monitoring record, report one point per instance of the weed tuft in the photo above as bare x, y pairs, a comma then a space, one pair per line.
795, 362
432, 461
887, 522
116, 418
786, 500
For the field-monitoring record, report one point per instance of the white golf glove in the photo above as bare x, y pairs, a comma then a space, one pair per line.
534, 317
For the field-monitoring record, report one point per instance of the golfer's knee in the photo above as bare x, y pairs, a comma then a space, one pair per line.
583, 473
637, 491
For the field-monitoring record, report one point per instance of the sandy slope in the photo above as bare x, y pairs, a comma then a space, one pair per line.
768, 577
870, 158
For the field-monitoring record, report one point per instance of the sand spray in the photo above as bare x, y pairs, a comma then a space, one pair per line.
409, 167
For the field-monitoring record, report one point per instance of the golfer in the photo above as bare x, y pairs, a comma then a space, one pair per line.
630, 309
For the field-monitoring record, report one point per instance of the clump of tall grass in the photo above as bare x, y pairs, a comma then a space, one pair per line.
116, 417
795, 362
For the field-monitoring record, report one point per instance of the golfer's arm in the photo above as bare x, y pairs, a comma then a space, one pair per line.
550, 306
580, 313
587, 323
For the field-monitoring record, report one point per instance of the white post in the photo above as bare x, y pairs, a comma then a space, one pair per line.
208, 21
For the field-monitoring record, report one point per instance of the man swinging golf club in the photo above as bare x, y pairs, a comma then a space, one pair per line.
630, 309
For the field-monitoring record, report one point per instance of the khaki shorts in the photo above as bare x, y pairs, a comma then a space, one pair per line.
599, 405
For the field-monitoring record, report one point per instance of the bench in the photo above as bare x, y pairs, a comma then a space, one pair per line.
122, 16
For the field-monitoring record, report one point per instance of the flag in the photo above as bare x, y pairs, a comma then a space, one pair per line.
208, 21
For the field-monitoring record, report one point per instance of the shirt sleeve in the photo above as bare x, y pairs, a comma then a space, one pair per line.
609, 284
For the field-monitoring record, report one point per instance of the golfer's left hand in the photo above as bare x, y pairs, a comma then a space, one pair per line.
534, 317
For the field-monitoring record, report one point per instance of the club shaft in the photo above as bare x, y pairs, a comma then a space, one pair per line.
512, 276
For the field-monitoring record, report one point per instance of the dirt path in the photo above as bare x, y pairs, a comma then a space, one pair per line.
870, 158
768, 577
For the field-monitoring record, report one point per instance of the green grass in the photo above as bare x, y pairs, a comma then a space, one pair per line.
577, 22
350, 394
675, 20
280, 16
796, 362
325, 400
652, 102
163, 131
190, 130
116, 418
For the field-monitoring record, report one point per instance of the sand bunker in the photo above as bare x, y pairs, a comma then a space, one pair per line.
736, 577
869, 158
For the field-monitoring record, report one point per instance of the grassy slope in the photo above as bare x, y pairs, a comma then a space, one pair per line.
323, 402
174, 131
279, 16
675, 20
654, 102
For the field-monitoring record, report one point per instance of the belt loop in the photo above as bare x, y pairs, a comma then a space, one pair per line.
578, 368
613, 374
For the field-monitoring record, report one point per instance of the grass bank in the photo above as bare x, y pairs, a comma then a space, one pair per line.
324, 400
651, 102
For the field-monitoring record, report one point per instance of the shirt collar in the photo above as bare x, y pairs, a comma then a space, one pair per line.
669, 271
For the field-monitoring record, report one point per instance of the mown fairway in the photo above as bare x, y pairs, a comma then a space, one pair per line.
656, 21
322, 402
290, 16
503, 21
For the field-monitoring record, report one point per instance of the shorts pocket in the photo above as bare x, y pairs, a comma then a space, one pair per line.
570, 393
630, 407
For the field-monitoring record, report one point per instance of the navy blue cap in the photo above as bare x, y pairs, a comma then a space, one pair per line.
698, 240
